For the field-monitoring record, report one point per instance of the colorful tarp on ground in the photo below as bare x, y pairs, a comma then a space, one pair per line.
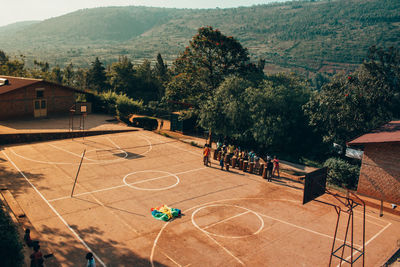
165, 213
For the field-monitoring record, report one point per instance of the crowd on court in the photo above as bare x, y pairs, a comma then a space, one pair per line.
234, 156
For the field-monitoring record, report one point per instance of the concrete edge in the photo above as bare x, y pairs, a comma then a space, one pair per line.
22, 222
18, 138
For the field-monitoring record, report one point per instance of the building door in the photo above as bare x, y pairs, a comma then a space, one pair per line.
39, 108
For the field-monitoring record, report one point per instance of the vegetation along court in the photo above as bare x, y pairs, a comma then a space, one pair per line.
314, 83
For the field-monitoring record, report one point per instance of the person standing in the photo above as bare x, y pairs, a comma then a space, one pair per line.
276, 166
36, 257
206, 154
90, 260
270, 166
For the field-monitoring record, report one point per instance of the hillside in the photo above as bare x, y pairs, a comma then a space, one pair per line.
307, 37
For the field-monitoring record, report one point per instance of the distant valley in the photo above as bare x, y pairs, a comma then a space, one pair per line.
306, 37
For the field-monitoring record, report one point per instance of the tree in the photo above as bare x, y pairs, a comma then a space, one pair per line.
3, 57
96, 76
384, 66
349, 106
278, 122
121, 76
69, 75
227, 113
147, 88
160, 69
209, 58
56, 75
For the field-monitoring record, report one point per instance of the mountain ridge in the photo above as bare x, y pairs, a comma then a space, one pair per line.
324, 36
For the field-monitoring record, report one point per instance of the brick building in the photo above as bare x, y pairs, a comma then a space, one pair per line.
33, 98
380, 168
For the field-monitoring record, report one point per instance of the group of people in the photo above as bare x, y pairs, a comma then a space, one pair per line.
37, 258
227, 151
272, 168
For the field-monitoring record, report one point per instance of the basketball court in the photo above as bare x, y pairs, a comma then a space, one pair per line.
229, 218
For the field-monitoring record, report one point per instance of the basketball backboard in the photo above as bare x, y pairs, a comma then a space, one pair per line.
315, 184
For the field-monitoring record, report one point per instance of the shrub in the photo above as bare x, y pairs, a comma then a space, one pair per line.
105, 102
10, 245
126, 106
342, 173
145, 123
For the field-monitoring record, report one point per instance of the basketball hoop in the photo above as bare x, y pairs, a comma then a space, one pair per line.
314, 187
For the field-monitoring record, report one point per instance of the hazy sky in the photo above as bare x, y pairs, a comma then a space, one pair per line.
22, 10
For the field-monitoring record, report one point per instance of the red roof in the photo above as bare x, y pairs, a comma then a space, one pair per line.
389, 132
16, 83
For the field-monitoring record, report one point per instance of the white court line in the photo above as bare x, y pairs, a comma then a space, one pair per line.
123, 185
373, 217
224, 248
72, 153
227, 219
300, 227
197, 154
71, 163
155, 243
171, 259
369, 241
56, 212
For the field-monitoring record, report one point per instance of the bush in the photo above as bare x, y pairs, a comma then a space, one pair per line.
126, 106
145, 123
105, 102
10, 246
342, 173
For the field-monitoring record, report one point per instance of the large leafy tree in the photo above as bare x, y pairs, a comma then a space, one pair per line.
96, 76
210, 57
227, 112
278, 122
350, 105
384, 66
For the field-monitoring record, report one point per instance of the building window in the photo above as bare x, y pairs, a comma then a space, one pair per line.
39, 93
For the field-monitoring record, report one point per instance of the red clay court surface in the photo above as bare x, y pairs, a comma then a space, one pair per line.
230, 218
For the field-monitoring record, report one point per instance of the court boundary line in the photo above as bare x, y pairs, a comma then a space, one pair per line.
55, 211
369, 241
124, 185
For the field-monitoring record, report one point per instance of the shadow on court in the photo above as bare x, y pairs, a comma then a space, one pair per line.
70, 250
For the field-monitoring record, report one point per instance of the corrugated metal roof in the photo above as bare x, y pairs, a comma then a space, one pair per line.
15, 83
389, 132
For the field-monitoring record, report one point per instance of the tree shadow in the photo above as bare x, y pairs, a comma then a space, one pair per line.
108, 250
13, 180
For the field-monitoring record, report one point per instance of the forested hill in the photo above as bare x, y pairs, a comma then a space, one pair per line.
301, 36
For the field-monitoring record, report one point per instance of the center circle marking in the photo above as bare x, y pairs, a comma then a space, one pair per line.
227, 205
168, 174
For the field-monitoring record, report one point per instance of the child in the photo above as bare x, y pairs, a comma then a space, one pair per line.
90, 260
276, 166
221, 161
206, 154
